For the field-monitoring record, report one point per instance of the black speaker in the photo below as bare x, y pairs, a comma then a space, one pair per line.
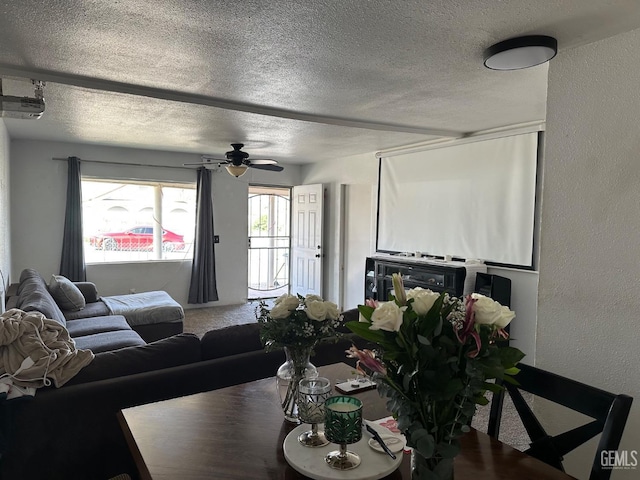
370, 279
494, 286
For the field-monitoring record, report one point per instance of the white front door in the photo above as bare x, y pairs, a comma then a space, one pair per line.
306, 240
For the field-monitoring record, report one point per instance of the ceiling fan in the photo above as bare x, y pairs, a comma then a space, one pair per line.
237, 162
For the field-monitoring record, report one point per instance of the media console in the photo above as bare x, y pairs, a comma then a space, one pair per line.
456, 278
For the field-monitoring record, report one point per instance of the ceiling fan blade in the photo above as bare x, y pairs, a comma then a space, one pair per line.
263, 161
270, 166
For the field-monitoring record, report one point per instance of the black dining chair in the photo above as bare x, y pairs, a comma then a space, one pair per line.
609, 413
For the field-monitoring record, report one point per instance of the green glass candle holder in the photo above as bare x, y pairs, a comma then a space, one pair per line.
343, 425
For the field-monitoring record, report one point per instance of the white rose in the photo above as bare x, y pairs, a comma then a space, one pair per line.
291, 302
505, 317
387, 316
489, 312
279, 311
332, 310
423, 299
312, 298
316, 311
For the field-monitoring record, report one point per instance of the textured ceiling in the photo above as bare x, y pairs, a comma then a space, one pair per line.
298, 81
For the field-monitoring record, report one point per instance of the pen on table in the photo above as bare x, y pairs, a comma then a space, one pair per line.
378, 438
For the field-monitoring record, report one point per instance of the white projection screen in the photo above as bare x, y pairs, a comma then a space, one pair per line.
472, 201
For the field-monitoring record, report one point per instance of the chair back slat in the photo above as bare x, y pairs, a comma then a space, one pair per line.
611, 434
588, 400
544, 450
572, 439
608, 411
534, 428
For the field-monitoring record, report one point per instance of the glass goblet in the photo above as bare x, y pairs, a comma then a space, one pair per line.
312, 393
343, 425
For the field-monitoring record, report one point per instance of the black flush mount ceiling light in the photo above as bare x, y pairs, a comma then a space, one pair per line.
520, 52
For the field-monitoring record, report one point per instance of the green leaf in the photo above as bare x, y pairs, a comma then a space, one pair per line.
447, 450
438, 329
423, 340
366, 311
509, 356
512, 371
452, 387
492, 387
406, 380
362, 329
446, 341
424, 442
444, 468
511, 380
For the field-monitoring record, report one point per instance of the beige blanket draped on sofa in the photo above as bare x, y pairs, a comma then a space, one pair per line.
34, 351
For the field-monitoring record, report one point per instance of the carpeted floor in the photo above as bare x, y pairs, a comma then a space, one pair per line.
201, 320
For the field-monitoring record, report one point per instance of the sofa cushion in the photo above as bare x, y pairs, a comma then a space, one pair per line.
169, 352
89, 291
33, 296
108, 341
231, 340
88, 326
66, 294
145, 308
95, 309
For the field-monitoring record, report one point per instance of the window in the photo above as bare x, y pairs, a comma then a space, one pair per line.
137, 221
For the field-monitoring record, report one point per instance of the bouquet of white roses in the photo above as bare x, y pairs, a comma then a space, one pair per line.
297, 321
435, 357
296, 324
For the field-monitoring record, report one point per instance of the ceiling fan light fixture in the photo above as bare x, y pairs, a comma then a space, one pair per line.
236, 170
520, 52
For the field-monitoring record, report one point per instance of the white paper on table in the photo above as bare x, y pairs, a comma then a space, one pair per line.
388, 426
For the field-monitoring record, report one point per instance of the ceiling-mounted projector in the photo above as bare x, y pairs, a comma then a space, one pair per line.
23, 107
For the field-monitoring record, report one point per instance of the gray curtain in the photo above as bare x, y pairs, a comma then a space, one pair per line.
203, 271
72, 261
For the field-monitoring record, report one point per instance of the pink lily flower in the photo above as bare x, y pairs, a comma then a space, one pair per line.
468, 328
503, 333
366, 358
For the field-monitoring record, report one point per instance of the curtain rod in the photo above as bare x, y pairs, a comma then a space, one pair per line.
126, 163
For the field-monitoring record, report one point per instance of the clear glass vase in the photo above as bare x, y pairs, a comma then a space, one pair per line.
288, 376
430, 468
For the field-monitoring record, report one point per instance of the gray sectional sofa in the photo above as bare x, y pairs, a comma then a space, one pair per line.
90, 316
72, 432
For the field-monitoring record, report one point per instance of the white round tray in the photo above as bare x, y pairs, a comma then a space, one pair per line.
310, 460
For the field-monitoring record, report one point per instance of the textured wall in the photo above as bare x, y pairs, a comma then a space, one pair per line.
363, 169
5, 242
590, 247
38, 197
357, 169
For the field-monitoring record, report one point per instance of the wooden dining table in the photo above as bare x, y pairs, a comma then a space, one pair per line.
237, 433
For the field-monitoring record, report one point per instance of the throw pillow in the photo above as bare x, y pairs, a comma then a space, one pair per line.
66, 294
